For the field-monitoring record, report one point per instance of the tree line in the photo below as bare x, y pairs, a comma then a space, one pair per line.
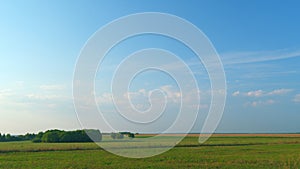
8, 137
61, 136
56, 136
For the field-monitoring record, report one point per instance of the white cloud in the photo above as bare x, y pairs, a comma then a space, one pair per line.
269, 102
297, 98
5, 92
168, 90
140, 98
260, 103
258, 56
139, 93
279, 91
261, 93
236, 93
52, 87
45, 97
256, 93
171, 94
105, 98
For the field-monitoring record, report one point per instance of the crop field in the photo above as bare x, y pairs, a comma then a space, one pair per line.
220, 151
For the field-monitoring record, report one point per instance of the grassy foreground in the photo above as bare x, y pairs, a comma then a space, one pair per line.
217, 152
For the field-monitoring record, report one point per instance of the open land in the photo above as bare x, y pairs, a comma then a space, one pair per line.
220, 151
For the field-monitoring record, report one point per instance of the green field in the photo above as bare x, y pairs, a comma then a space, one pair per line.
217, 152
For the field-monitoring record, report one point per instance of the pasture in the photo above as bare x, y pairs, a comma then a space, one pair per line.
220, 151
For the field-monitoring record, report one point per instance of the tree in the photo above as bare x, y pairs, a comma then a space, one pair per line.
8, 137
51, 136
95, 135
117, 136
38, 138
131, 135
29, 136
55, 136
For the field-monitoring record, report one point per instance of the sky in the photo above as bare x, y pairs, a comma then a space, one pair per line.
258, 43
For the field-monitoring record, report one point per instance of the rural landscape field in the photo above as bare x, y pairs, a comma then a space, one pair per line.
149, 84
220, 151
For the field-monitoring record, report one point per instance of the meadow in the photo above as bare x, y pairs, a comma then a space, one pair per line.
220, 151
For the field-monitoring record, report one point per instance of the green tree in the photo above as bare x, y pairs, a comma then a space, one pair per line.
95, 135
51, 136
117, 136
131, 135
8, 137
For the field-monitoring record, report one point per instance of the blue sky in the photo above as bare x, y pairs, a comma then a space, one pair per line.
258, 43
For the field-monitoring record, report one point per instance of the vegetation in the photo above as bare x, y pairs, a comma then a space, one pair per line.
129, 134
120, 135
217, 152
8, 137
57, 136
117, 136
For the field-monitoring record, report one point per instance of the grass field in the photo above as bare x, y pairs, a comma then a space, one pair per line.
220, 151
